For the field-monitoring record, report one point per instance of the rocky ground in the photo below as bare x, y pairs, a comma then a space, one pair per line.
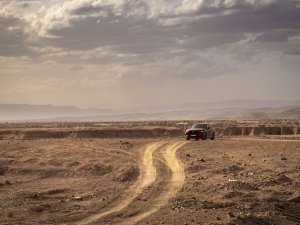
227, 181
237, 181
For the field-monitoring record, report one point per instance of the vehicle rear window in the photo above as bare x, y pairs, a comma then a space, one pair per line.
199, 125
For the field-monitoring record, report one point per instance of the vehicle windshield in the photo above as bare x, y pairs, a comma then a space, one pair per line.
199, 125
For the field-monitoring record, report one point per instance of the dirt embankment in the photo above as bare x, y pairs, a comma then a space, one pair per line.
146, 129
91, 133
259, 130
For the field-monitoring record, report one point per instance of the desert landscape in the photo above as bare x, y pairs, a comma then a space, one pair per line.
96, 97
145, 172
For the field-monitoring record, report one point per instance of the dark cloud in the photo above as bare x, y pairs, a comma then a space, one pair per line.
244, 18
12, 36
132, 34
135, 33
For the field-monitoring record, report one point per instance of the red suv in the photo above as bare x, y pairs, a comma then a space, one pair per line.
200, 131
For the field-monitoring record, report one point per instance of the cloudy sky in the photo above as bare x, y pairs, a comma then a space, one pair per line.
132, 53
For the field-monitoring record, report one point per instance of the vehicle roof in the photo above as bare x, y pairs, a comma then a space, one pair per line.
200, 123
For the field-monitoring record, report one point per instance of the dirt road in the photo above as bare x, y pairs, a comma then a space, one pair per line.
162, 175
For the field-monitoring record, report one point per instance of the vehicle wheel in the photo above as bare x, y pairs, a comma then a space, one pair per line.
187, 138
213, 137
204, 136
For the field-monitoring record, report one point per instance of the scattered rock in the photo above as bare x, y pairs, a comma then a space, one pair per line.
249, 154
248, 206
232, 180
78, 198
128, 144
7, 182
200, 160
188, 155
230, 214
283, 158
284, 179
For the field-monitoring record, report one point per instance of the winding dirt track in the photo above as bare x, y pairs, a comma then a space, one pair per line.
162, 175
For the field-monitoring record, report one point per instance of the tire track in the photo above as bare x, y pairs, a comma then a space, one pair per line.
163, 191
174, 184
148, 176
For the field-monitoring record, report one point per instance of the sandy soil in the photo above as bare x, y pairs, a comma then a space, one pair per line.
150, 181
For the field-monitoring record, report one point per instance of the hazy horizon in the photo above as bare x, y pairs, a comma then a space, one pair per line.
130, 54
238, 103
242, 109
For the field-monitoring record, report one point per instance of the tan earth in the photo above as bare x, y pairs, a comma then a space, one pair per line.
237, 180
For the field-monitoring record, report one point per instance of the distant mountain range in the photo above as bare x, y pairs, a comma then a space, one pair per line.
229, 113
246, 103
32, 112
242, 109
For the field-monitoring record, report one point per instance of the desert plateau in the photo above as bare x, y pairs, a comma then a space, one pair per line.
147, 173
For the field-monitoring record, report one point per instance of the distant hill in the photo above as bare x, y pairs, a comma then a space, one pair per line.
247, 109
232, 113
232, 104
30, 112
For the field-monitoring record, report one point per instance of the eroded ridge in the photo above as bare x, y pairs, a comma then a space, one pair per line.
147, 177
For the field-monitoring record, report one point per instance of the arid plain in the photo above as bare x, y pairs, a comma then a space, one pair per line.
147, 173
